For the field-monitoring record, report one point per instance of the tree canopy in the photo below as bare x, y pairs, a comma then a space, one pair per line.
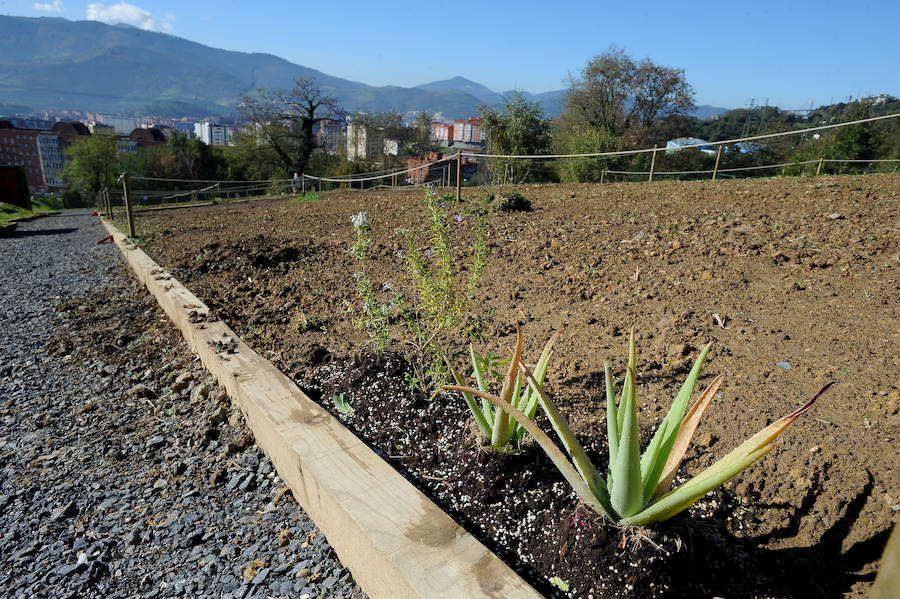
519, 129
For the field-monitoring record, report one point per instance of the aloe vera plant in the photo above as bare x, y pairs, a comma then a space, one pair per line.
497, 426
636, 489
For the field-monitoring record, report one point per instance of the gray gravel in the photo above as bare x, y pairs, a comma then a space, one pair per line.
124, 469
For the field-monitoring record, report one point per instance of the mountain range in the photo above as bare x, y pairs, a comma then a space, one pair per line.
57, 64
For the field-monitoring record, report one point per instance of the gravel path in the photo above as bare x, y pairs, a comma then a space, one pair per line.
124, 469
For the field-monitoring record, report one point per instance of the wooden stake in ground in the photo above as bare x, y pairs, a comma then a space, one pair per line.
129, 213
718, 158
458, 175
819, 168
652, 165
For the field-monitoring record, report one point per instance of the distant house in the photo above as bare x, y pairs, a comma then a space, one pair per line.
392, 147
676, 144
147, 137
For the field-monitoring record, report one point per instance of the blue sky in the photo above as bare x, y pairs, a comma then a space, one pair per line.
792, 53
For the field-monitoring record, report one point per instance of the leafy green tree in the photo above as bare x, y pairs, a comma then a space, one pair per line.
629, 98
519, 129
587, 140
92, 163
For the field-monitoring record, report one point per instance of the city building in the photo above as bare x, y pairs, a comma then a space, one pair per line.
123, 125
211, 134
392, 147
442, 133
363, 143
331, 135
38, 153
468, 131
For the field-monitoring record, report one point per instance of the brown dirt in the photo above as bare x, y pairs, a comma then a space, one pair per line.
799, 271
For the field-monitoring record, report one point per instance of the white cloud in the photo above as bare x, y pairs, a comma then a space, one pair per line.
55, 6
128, 14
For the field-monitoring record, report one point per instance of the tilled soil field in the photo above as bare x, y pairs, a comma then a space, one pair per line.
793, 281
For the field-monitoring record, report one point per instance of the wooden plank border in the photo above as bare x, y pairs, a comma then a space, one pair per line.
394, 540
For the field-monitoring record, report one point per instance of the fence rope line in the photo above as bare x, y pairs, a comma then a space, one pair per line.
351, 178
685, 147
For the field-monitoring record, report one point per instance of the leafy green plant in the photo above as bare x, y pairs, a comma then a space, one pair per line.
507, 200
373, 316
636, 489
496, 426
302, 323
443, 290
341, 404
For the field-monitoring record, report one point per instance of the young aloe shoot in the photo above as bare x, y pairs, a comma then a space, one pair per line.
636, 488
496, 426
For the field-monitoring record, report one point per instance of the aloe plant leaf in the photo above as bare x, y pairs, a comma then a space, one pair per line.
479, 378
626, 493
657, 453
717, 474
632, 365
685, 434
581, 489
500, 431
540, 372
612, 426
583, 464
483, 426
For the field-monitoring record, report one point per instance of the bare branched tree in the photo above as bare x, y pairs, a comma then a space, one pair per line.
285, 121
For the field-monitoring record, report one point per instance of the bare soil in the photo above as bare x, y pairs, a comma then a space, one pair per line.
794, 281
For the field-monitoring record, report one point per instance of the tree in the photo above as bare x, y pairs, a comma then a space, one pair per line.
587, 140
285, 121
634, 99
92, 163
519, 129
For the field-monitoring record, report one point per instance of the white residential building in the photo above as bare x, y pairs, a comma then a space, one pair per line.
211, 134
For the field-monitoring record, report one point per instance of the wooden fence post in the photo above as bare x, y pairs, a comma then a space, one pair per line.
652, 165
718, 158
129, 213
602, 176
458, 175
109, 208
303, 184
819, 168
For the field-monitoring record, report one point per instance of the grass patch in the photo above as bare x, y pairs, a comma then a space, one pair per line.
309, 197
8, 211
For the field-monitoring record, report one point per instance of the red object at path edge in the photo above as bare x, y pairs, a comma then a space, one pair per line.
105, 239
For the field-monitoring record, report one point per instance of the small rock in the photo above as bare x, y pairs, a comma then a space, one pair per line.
67, 510
200, 392
140, 391
815, 449
181, 383
155, 442
785, 365
835, 216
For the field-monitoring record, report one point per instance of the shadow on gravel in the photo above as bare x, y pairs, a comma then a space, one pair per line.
16, 233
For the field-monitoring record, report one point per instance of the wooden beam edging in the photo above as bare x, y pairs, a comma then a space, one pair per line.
394, 540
